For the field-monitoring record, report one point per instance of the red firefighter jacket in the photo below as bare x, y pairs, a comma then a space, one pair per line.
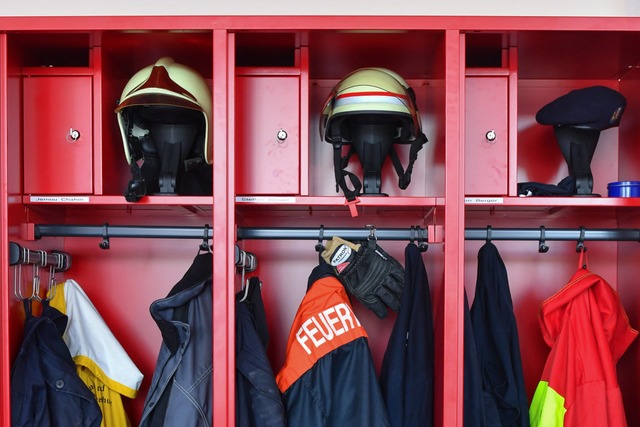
588, 331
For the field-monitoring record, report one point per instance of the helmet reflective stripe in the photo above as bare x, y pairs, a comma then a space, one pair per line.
361, 98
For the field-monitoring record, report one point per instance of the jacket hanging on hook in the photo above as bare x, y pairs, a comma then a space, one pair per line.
588, 331
496, 337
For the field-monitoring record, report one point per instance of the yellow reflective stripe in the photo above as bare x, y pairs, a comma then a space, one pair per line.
547, 407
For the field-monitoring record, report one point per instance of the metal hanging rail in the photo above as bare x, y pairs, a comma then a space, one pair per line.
542, 233
321, 233
59, 260
131, 231
416, 233
243, 259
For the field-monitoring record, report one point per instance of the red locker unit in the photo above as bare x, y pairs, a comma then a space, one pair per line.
58, 132
267, 132
479, 82
486, 135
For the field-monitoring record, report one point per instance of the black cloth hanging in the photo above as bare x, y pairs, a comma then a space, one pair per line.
258, 398
496, 337
479, 408
406, 376
46, 390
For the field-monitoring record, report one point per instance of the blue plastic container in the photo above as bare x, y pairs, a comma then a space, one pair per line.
624, 189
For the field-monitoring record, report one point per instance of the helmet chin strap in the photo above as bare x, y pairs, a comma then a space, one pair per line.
340, 163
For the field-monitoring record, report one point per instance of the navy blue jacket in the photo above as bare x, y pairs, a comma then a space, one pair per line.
406, 376
181, 388
258, 399
479, 407
46, 390
496, 337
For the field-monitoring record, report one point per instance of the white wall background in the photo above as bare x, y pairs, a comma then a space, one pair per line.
324, 7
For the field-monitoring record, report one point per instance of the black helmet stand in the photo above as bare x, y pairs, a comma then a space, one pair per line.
372, 143
578, 145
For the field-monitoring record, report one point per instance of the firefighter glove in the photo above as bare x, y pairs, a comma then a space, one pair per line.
370, 274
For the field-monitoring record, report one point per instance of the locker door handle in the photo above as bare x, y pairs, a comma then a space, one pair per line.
73, 135
491, 135
281, 135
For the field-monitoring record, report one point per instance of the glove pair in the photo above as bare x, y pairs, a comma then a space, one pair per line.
370, 274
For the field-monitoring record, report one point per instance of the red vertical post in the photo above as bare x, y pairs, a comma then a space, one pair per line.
452, 348
5, 409
223, 232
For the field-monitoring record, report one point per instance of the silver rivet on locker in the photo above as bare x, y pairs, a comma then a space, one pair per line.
73, 135
490, 135
281, 135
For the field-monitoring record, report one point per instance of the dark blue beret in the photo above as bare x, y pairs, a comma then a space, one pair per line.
595, 107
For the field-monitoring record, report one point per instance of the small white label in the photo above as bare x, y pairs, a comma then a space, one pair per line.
341, 255
59, 199
265, 199
484, 200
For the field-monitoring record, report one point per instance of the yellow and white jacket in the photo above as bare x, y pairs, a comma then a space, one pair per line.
100, 360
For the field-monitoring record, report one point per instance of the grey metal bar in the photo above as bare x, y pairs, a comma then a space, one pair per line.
319, 233
590, 234
323, 233
108, 231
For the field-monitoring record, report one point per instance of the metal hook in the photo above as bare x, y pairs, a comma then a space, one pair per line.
542, 247
204, 246
17, 281
422, 242
412, 236
319, 245
488, 234
53, 284
105, 237
35, 285
372, 232
580, 247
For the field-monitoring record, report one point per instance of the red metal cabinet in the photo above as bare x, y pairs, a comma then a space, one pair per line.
266, 104
267, 134
486, 136
57, 115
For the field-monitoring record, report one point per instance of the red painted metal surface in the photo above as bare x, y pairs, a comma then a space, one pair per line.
486, 135
5, 351
268, 134
58, 134
430, 52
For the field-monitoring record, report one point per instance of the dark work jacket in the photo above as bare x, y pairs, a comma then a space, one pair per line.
496, 337
181, 388
406, 376
340, 388
479, 407
258, 399
46, 391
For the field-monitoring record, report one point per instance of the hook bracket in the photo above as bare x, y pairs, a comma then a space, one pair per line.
580, 247
105, 244
542, 246
319, 245
204, 246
